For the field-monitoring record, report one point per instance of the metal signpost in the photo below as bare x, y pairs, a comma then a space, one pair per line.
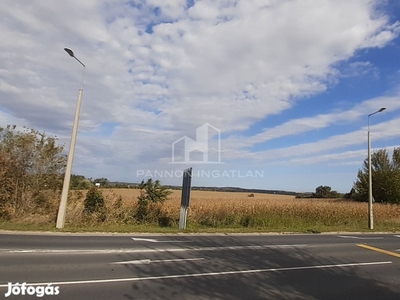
185, 200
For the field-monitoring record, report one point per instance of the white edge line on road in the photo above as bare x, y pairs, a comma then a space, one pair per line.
110, 251
359, 238
149, 261
206, 274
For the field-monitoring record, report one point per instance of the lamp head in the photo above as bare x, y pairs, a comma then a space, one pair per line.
69, 51
382, 109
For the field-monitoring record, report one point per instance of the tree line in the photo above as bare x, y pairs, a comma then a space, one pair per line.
80, 182
32, 167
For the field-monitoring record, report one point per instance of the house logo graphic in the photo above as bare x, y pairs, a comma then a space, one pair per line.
204, 150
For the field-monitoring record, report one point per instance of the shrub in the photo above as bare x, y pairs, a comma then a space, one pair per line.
151, 193
94, 201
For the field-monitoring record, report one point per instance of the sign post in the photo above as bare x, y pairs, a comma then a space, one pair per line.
185, 200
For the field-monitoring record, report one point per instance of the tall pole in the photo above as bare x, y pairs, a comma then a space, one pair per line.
370, 197
67, 177
370, 212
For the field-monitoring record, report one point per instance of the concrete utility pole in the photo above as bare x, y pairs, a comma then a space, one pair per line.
67, 177
370, 212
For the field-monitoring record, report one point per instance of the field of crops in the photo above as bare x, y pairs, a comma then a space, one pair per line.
265, 212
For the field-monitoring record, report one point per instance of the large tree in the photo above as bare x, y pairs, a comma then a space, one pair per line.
385, 177
30, 163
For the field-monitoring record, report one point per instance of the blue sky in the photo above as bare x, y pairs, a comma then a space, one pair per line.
287, 86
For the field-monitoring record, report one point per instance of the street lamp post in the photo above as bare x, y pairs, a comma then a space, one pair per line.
370, 212
67, 177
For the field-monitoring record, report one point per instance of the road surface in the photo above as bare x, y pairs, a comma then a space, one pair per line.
311, 266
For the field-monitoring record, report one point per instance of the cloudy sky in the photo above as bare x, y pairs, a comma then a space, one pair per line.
282, 87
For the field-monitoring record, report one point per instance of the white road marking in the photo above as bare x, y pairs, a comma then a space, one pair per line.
149, 261
144, 240
157, 241
359, 238
130, 279
397, 236
110, 251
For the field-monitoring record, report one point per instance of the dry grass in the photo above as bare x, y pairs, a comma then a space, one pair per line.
226, 211
263, 211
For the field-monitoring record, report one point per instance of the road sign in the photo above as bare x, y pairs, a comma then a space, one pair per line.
185, 200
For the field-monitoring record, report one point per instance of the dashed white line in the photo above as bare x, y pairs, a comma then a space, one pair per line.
149, 261
158, 241
146, 250
209, 274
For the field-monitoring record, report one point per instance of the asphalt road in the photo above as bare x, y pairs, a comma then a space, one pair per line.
320, 266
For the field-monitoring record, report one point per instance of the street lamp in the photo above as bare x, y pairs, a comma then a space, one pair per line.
67, 177
370, 213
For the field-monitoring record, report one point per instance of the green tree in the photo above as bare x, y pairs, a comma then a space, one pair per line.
326, 192
385, 178
151, 192
6, 187
79, 182
31, 164
351, 194
322, 191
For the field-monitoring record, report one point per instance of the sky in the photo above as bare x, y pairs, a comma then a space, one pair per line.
266, 94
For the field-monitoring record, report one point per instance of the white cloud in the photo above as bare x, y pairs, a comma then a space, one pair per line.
381, 131
157, 69
316, 122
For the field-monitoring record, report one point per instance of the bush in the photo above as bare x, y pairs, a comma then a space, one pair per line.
94, 201
151, 193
